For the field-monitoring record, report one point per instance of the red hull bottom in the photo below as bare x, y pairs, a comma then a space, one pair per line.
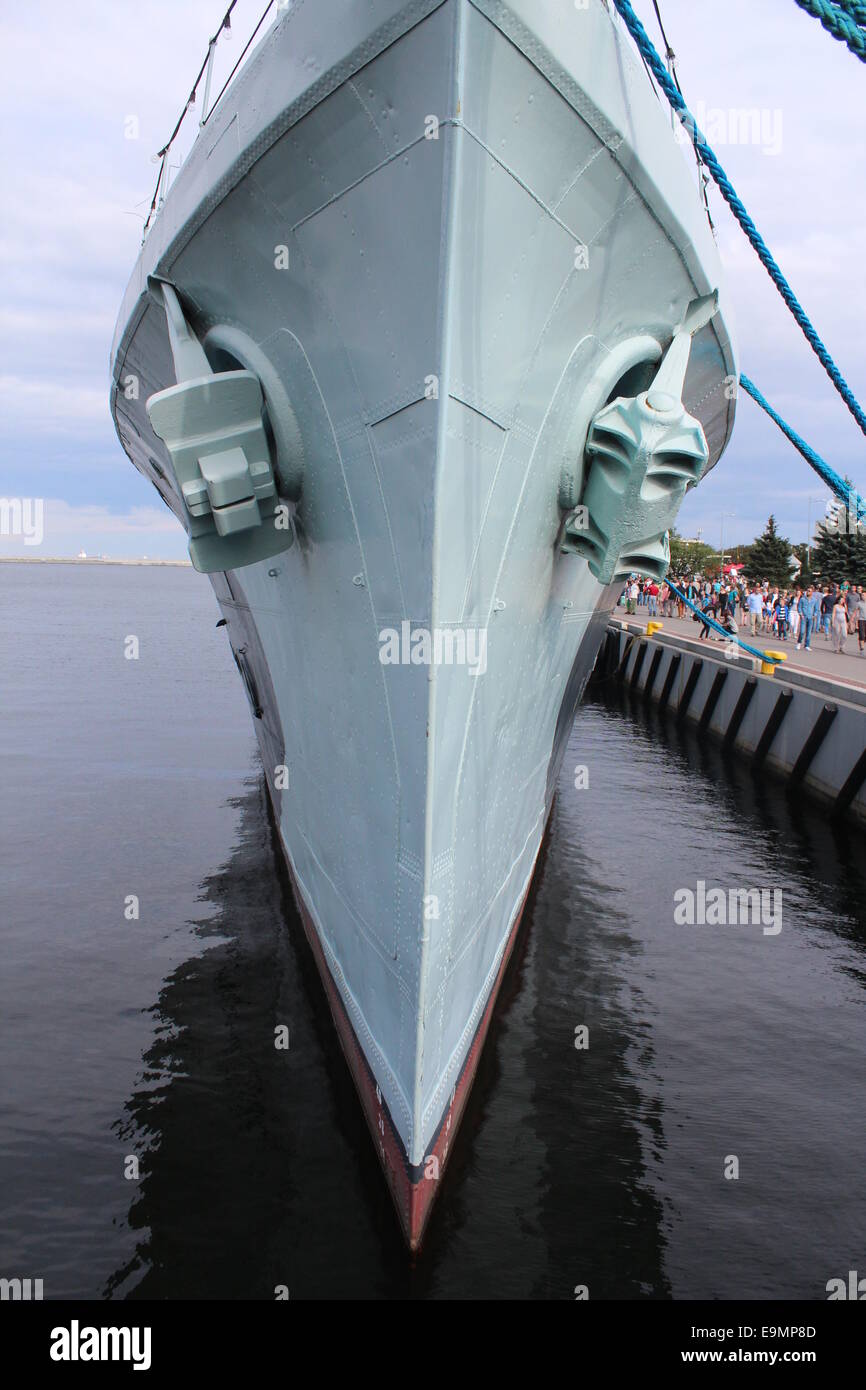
413, 1190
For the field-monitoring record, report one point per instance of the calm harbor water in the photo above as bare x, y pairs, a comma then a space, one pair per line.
154, 1037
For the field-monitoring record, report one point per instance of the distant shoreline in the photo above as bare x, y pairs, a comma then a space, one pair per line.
90, 560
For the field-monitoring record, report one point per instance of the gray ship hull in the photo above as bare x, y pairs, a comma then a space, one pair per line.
442, 235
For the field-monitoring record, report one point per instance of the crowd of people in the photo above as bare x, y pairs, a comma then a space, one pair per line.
799, 614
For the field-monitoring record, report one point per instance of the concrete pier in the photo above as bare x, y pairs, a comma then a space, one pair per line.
806, 723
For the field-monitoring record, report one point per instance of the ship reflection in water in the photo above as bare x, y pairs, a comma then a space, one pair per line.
599, 1166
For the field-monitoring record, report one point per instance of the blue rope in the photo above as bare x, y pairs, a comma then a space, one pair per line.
841, 20
711, 622
852, 499
653, 60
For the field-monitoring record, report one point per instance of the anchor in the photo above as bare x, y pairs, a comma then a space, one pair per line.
643, 453
212, 425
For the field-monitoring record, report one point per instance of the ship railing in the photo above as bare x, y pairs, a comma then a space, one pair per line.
207, 108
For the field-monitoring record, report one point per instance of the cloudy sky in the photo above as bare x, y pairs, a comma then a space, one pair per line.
76, 189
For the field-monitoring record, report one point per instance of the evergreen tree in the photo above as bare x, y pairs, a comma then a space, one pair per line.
839, 551
769, 556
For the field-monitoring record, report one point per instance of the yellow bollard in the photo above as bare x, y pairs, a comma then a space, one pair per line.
768, 668
653, 627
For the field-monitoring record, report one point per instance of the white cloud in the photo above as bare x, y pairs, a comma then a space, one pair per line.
67, 529
75, 189
44, 405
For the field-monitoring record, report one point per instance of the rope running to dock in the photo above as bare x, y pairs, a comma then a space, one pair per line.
769, 658
729, 194
852, 499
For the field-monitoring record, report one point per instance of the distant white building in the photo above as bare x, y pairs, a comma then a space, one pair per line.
82, 555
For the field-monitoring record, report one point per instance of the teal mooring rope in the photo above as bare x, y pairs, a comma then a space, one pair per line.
729, 194
711, 622
842, 19
852, 499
